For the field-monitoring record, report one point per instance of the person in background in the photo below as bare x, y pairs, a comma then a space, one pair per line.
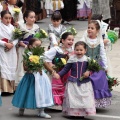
102, 7
10, 5
55, 29
83, 9
69, 12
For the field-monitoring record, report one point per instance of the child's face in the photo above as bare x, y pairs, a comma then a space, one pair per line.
31, 18
6, 19
12, 2
92, 31
80, 51
68, 42
36, 43
56, 23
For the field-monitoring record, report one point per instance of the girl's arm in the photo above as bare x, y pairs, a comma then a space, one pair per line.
65, 70
103, 55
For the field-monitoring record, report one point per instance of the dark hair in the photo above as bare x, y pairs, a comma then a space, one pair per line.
56, 16
97, 17
4, 12
80, 43
31, 41
26, 14
65, 35
95, 23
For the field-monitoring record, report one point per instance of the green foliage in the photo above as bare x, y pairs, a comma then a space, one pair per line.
72, 30
93, 66
41, 34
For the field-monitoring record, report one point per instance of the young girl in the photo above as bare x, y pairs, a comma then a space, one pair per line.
8, 55
31, 28
104, 28
55, 29
95, 50
34, 90
79, 95
83, 9
10, 5
58, 86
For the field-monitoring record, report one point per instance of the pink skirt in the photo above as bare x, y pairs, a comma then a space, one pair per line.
58, 89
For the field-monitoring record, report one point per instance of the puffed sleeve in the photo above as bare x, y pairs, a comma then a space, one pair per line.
50, 54
2, 43
103, 55
65, 70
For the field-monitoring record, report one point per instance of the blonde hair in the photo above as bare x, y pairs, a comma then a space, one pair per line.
54, 4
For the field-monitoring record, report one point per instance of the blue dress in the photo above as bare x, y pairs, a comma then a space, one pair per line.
24, 96
34, 91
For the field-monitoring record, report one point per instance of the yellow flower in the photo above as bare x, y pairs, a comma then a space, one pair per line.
63, 61
17, 10
94, 60
35, 59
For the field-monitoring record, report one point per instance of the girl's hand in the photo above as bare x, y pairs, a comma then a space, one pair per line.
55, 75
22, 44
16, 24
86, 74
9, 46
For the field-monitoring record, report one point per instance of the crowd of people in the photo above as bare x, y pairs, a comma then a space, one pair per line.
36, 90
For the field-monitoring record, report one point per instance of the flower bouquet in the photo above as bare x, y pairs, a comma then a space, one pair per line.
93, 66
33, 59
16, 14
18, 34
112, 81
72, 30
41, 34
59, 63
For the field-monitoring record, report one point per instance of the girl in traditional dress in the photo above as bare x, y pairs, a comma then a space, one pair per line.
83, 9
51, 56
31, 28
79, 95
95, 50
10, 5
34, 91
8, 55
55, 29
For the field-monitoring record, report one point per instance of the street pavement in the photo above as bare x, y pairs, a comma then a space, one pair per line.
8, 112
